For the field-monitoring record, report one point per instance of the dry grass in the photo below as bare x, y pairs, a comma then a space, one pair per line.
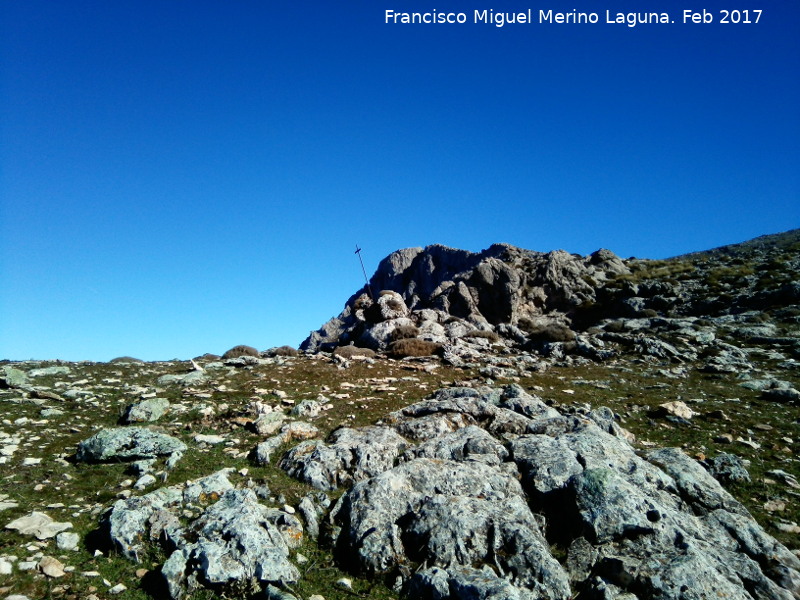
353, 351
412, 347
487, 335
551, 332
404, 332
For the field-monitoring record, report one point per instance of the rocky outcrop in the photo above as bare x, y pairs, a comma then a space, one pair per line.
560, 305
501, 285
500, 478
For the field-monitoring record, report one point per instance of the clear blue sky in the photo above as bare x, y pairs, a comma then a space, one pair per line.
179, 177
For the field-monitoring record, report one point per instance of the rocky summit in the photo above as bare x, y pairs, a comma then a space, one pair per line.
497, 425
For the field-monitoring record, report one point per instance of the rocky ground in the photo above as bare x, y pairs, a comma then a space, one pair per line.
647, 450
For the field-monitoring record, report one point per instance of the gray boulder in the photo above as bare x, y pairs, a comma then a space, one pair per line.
146, 411
350, 455
728, 468
12, 378
130, 523
128, 443
185, 380
237, 539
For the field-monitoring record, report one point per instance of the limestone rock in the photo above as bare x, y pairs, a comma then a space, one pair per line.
12, 378
127, 443
728, 468
350, 455
51, 567
39, 525
236, 540
67, 540
151, 409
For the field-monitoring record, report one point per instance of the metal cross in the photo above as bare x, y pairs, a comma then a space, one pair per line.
363, 270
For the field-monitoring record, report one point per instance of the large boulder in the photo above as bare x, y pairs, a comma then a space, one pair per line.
235, 539
499, 478
128, 443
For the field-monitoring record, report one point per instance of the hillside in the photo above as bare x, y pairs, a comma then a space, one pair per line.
494, 425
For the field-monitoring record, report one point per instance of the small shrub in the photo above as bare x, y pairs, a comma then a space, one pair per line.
362, 302
241, 350
552, 332
526, 325
124, 359
615, 327
283, 351
488, 335
403, 332
412, 347
353, 351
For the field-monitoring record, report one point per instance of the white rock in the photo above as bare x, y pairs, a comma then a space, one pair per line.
5, 567
30, 461
677, 409
39, 525
27, 565
145, 481
67, 540
52, 567
117, 589
8, 450
345, 583
209, 439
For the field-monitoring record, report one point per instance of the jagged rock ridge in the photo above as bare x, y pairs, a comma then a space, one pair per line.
527, 298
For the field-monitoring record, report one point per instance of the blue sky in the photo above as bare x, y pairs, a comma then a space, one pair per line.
179, 177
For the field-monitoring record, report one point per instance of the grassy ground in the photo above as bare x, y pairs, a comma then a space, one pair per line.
359, 395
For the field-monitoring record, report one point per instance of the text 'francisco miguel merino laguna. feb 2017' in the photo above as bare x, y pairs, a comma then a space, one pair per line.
548, 17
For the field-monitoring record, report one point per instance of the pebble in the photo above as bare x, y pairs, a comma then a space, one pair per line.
141, 573
117, 589
345, 583
30, 461
27, 565
316, 597
5, 567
